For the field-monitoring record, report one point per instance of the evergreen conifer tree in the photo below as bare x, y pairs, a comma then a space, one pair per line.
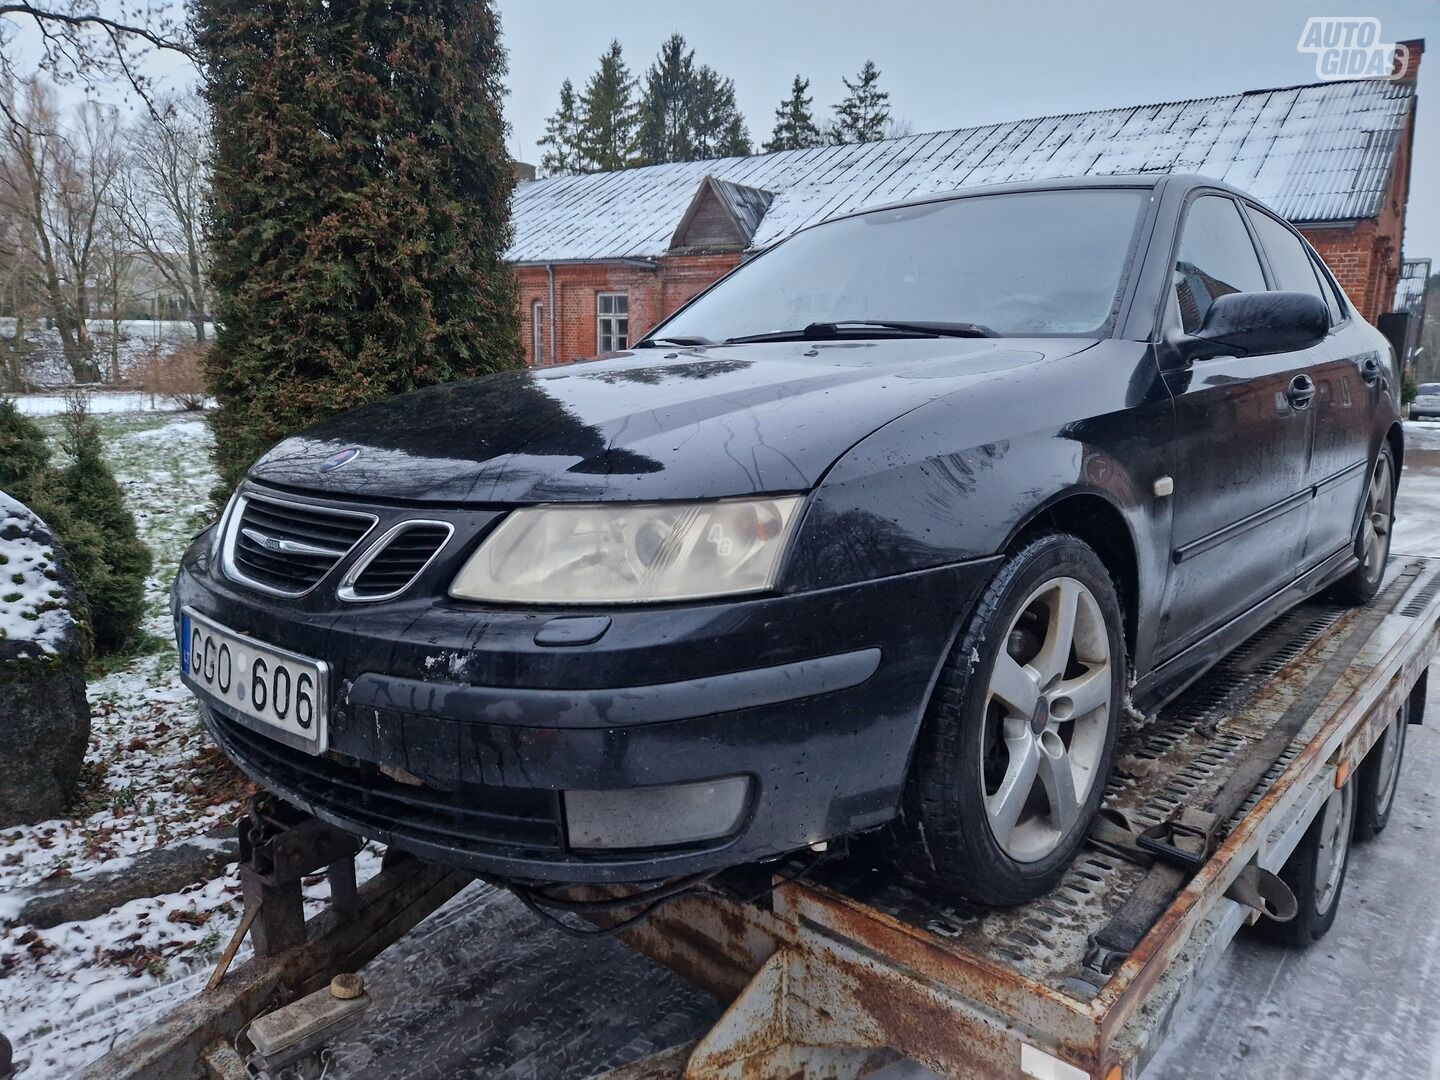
610, 115
564, 150
794, 123
864, 112
359, 213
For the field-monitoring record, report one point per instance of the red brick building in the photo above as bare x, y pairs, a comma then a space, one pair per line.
602, 258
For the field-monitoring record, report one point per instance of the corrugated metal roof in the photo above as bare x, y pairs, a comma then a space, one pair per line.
1314, 153
1411, 288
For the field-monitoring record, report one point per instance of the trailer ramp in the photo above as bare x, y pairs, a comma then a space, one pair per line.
854, 966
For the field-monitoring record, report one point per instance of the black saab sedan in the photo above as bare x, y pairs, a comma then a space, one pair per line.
896, 523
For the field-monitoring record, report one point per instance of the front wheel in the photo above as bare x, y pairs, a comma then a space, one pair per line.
1372, 538
1017, 743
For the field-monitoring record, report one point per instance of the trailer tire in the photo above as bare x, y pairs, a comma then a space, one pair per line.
957, 828
1379, 776
1313, 874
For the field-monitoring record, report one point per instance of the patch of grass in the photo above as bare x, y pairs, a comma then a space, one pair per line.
127, 798
147, 645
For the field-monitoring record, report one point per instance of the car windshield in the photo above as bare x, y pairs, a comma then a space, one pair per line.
1044, 262
1429, 389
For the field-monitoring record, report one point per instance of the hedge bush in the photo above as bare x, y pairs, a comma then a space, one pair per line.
359, 211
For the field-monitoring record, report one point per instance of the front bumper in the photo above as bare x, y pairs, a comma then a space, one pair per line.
454, 735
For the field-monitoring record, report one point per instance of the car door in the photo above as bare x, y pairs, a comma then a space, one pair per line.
1241, 499
1347, 373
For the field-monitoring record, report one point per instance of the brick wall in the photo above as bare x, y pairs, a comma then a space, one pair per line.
652, 291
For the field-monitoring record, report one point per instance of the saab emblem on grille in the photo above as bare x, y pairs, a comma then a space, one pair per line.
344, 457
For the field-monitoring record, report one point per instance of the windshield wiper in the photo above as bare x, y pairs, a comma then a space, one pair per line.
655, 343
822, 331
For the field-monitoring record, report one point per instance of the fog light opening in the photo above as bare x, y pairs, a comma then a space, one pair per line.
664, 815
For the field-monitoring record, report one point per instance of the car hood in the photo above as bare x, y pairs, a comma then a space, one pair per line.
652, 424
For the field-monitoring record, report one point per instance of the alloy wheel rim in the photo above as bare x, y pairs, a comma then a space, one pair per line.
1375, 528
1047, 715
1389, 765
1335, 821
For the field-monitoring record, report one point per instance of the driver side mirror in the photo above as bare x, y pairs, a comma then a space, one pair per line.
1258, 323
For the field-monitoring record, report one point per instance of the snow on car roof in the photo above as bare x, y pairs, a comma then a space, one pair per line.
1320, 152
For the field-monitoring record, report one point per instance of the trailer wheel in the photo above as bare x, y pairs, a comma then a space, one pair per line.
1379, 776
1017, 743
1316, 871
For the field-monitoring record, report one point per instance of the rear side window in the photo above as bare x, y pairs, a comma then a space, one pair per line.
1289, 261
1216, 258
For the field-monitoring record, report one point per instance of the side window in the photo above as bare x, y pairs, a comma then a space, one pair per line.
1289, 261
1331, 290
1216, 258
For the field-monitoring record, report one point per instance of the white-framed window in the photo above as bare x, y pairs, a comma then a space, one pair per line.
537, 332
612, 321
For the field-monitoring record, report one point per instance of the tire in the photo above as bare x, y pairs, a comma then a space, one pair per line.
1313, 874
1372, 537
957, 827
1379, 776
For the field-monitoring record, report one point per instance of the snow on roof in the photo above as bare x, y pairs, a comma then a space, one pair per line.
33, 608
1412, 286
1322, 152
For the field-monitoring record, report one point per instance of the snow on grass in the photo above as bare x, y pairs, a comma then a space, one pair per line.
32, 605
151, 776
100, 401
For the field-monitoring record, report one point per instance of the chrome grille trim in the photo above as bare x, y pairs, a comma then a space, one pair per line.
347, 591
308, 550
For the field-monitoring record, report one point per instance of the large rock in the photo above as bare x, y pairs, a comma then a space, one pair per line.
44, 717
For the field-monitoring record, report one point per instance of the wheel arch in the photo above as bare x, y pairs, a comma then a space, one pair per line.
1098, 522
1395, 439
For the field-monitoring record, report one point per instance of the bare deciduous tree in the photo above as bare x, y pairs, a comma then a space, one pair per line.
161, 197
60, 184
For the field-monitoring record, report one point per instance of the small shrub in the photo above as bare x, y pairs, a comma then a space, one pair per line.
116, 588
176, 376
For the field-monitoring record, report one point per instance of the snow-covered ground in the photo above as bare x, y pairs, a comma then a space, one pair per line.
99, 401
43, 363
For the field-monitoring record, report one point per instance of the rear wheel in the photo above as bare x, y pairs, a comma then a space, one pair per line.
1013, 755
1379, 776
1316, 871
1372, 539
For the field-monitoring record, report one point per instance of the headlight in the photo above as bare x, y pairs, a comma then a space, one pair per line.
628, 553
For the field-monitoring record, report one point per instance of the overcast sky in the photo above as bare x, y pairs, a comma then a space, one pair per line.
955, 64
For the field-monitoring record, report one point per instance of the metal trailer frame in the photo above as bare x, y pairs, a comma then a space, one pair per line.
840, 973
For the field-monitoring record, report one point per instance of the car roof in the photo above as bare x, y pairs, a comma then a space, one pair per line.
1183, 181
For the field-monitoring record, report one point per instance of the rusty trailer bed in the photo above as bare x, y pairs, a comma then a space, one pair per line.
853, 967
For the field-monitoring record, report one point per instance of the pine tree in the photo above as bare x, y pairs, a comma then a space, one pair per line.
865, 110
667, 104
794, 123
360, 208
610, 115
115, 589
688, 111
717, 128
565, 153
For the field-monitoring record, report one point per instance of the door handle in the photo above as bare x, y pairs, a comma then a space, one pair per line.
1301, 392
1370, 370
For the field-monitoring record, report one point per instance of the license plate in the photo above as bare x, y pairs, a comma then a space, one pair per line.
276, 692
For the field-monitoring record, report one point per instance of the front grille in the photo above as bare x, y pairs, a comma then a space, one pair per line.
471, 817
396, 560
288, 547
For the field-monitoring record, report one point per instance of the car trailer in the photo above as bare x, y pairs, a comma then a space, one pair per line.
839, 966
